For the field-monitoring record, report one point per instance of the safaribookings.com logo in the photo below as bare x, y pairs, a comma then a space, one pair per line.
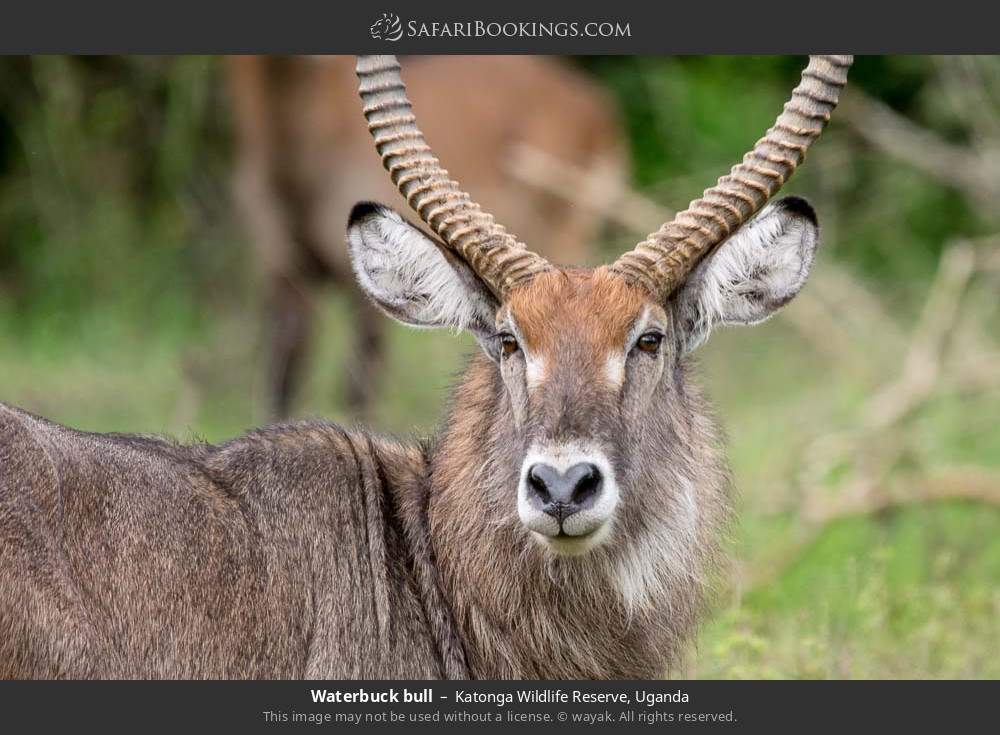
390, 28
387, 28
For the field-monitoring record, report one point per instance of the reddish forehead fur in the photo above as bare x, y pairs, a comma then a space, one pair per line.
597, 306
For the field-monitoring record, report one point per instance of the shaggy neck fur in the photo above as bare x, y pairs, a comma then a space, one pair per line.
620, 611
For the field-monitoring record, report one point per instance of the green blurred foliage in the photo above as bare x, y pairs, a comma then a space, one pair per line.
113, 190
128, 302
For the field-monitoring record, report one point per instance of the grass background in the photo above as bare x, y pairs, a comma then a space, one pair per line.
128, 302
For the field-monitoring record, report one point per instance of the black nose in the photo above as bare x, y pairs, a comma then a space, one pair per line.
563, 494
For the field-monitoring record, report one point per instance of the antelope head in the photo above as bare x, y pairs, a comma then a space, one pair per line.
590, 360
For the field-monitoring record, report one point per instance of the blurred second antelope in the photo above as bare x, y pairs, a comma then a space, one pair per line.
303, 161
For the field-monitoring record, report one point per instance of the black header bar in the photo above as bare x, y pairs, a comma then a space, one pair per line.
447, 26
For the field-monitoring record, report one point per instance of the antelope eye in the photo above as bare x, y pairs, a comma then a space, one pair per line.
508, 345
650, 342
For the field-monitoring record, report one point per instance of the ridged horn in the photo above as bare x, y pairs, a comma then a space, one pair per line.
662, 261
494, 254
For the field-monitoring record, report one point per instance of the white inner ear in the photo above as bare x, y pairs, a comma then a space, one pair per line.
406, 274
751, 275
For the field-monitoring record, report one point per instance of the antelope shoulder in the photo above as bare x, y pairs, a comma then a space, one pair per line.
129, 556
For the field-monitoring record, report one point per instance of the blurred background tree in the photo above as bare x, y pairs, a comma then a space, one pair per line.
869, 542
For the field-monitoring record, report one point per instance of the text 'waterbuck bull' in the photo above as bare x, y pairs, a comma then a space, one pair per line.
560, 527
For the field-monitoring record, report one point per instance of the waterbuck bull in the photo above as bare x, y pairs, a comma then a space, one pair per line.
561, 525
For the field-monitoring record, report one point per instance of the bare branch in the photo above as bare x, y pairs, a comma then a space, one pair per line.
898, 137
961, 80
970, 484
610, 197
923, 362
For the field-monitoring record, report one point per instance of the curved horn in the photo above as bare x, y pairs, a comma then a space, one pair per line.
494, 254
662, 260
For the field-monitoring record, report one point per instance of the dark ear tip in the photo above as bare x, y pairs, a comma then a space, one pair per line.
363, 210
799, 206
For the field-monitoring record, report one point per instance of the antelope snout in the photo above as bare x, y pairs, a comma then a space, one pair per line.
567, 496
563, 494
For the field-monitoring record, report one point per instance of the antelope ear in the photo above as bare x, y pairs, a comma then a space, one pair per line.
411, 277
751, 275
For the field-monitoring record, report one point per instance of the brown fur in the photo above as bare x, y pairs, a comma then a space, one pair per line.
295, 551
596, 306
